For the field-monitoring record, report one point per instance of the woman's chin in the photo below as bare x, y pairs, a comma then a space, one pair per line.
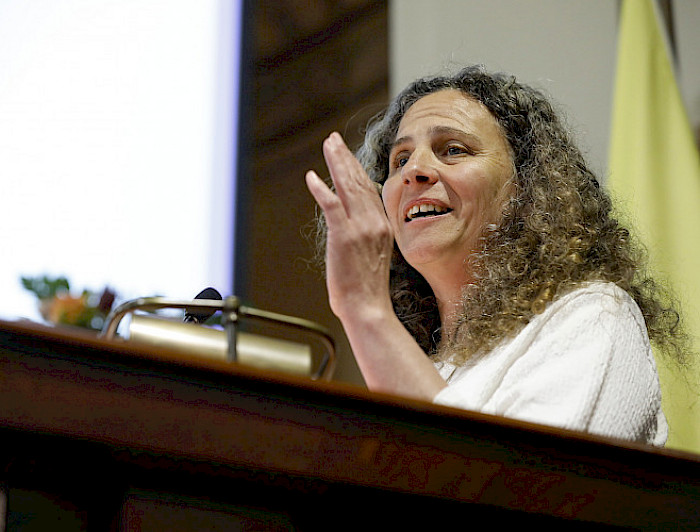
424, 258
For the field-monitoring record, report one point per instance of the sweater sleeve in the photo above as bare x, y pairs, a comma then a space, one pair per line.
585, 364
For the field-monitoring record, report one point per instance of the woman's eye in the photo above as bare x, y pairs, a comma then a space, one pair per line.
400, 160
456, 150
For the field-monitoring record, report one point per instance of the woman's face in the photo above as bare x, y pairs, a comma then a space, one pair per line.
450, 172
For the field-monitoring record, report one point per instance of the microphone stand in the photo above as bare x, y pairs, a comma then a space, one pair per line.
230, 312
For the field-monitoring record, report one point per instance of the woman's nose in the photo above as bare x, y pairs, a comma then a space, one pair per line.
419, 168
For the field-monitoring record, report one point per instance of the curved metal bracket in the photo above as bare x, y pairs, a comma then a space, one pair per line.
232, 311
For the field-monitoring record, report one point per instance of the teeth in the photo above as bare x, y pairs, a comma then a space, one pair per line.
425, 207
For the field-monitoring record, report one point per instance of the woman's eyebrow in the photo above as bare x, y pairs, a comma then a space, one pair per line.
400, 141
438, 131
451, 131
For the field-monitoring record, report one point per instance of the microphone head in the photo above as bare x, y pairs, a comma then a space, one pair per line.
196, 315
209, 293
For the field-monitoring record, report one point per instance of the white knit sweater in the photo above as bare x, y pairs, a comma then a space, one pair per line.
585, 364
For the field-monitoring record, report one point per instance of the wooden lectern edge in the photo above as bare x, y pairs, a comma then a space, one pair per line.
267, 423
161, 357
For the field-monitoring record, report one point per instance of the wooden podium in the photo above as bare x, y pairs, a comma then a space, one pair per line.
98, 435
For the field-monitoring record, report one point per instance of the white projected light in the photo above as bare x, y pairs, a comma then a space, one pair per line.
116, 145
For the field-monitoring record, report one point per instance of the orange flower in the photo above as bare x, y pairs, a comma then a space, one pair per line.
65, 308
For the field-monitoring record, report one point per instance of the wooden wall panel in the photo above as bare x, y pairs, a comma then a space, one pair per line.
317, 67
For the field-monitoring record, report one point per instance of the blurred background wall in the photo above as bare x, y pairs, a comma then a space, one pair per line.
316, 67
117, 145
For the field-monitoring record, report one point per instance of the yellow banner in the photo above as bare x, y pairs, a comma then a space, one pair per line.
655, 176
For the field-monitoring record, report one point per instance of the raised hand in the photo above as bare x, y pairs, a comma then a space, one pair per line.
358, 255
360, 239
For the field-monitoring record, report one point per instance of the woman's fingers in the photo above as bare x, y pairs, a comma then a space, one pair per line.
348, 176
324, 196
355, 195
359, 238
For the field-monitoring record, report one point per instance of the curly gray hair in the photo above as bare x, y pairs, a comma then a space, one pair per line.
558, 230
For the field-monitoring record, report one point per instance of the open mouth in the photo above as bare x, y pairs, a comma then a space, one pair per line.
425, 210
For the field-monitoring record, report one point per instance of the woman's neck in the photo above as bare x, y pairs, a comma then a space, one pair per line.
447, 283
450, 312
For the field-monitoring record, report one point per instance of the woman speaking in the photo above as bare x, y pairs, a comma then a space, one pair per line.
491, 274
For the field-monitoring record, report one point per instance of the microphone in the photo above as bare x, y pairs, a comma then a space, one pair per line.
197, 315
